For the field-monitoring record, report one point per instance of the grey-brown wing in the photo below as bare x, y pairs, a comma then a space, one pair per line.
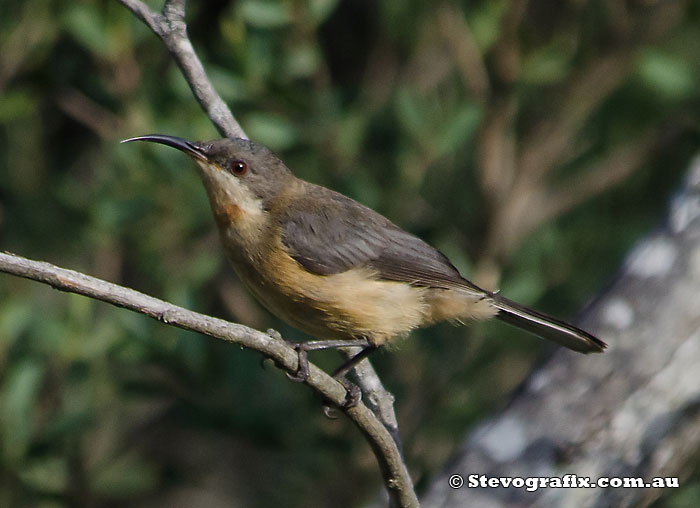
338, 234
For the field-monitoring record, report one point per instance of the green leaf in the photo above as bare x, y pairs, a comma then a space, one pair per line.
48, 475
546, 66
16, 104
410, 111
321, 9
485, 22
667, 75
688, 495
125, 476
15, 317
230, 87
271, 130
458, 129
351, 131
266, 14
17, 406
84, 24
302, 60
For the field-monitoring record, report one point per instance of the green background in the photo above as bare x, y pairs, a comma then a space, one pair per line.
388, 102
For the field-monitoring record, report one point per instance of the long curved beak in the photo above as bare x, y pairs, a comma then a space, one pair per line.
192, 149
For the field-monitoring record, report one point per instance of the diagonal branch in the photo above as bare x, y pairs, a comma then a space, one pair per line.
394, 471
550, 142
465, 51
612, 171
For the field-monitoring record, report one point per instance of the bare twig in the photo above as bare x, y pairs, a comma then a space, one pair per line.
617, 166
395, 474
467, 56
88, 112
27, 31
379, 399
170, 26
495, 150
550, 142
533, 205
506, 51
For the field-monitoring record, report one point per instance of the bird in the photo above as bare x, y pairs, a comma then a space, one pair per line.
334, 268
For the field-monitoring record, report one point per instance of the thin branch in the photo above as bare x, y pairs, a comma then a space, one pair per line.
88, 112
550, 142
530, 207
396, 476
614, 169
380, 401
495, 151
505, 53
170, 26
465, 52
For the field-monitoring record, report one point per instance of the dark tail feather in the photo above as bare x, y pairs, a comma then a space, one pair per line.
547, 327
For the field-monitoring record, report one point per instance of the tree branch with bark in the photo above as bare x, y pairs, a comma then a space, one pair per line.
395, 474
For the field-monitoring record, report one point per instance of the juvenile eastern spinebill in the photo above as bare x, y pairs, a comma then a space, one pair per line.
334, 268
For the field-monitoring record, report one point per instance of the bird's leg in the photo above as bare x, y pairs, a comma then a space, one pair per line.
351, 362
302, 349
354, 394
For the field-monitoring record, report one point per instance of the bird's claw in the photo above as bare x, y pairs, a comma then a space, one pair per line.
353, 394
302, 373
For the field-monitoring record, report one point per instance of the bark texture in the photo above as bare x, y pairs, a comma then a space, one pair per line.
633, 411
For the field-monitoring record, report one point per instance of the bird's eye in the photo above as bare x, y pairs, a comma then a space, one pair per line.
238, 168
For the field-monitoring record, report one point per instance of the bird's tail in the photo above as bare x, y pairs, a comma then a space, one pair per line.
546, 326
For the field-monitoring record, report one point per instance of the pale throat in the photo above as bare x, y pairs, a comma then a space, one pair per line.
239, 215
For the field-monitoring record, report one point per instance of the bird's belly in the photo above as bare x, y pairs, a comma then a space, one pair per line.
351, 304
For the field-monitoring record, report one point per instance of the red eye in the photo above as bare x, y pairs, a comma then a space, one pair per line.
239, 168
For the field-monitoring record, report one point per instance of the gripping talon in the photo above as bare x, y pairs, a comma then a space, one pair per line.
353, 394
328, 411
298, 376
302, 373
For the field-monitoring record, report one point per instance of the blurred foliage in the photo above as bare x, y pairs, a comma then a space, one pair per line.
396, 104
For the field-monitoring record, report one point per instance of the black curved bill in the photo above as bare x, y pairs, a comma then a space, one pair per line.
181, 144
